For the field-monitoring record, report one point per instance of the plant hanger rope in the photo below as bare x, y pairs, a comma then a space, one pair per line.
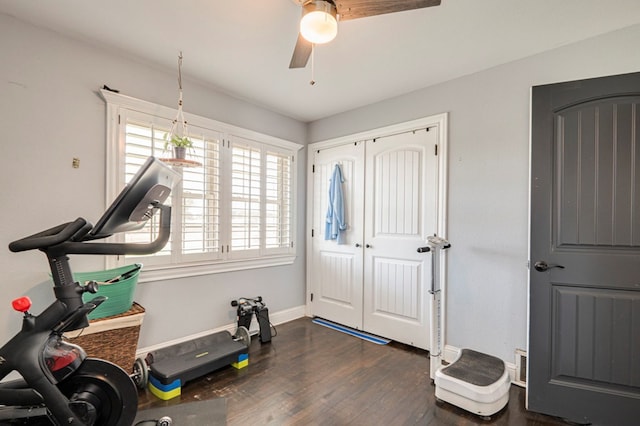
179, 139
180, 115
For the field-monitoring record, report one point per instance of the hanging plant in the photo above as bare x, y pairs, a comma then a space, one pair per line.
179, 141
179, 144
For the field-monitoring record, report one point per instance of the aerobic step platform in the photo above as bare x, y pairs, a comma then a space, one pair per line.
171, 367
476, 382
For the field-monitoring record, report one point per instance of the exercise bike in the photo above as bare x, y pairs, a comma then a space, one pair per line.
59, 382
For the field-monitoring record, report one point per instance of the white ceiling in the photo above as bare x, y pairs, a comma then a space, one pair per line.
243, 47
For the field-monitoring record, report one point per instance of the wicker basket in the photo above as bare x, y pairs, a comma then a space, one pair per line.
113, 339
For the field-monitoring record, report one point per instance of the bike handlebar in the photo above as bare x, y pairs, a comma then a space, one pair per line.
68, 238
50, 237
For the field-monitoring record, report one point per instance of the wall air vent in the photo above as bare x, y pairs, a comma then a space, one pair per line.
521, 368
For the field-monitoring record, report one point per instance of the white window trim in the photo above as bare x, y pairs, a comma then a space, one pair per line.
116, 102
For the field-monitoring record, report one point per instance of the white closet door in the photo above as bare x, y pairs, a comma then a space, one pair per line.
400, 212
336, 269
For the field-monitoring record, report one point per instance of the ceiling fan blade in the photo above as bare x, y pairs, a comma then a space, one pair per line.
353, 9
301, 53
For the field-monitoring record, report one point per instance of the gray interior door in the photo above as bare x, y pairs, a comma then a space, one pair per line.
584, 342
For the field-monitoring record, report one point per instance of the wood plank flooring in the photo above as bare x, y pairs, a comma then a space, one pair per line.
312, 375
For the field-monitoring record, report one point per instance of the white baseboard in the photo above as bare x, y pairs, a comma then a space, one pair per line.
275, 318
451, 353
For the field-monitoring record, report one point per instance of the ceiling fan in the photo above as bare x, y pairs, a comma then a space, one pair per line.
319, 23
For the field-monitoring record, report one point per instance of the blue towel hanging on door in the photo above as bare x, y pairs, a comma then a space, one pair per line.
336, 225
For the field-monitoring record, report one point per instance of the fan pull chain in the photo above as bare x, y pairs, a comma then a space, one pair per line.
313, 81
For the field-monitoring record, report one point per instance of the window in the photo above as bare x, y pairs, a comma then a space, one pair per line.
261, 191
234, 211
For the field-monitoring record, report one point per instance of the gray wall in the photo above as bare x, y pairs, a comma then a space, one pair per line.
49, 113
488, 178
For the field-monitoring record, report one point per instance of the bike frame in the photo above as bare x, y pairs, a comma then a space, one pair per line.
25, 352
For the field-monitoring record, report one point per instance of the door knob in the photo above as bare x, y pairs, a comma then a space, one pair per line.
423, 249
368, 246
542, 266
357, 245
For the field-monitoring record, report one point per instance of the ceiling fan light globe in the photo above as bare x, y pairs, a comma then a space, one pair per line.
319, 24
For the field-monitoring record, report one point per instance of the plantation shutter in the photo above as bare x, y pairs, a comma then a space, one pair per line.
141, 140
261, 199
246, 189
200, 194
278, 206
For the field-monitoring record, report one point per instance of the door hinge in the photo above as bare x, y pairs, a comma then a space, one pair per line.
313, 168
312, 297
436, 149
118, 118
312, 233
291, 244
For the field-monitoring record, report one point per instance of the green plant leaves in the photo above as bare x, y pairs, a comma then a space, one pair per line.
177, 141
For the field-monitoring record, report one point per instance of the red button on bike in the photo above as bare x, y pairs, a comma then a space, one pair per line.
21, 304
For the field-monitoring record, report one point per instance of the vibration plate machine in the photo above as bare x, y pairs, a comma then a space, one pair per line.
57, 379
474, 381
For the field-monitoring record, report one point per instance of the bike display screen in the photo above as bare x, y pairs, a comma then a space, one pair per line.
135, 204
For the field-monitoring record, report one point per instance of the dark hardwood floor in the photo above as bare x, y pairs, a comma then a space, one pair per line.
311, 375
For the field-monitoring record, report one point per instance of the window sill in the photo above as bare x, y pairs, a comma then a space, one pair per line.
161, 273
